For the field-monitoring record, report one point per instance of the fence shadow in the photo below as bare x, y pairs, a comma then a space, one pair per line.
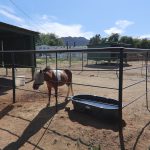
6, 110
35, 125
5, 85
106, 65
138, 137
90, 120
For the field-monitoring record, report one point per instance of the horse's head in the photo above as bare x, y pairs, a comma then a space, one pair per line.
38, 79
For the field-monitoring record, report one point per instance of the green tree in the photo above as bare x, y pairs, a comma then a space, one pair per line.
113, 38
103, 41
145, 43
95, 40
49, 39
126, 40
136, 43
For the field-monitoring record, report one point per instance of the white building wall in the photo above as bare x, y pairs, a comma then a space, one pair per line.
60, 55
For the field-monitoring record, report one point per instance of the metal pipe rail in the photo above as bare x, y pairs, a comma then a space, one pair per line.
136, 99
103, 50
133, 84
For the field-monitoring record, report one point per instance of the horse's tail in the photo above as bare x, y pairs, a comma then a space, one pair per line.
69, 83
69, 74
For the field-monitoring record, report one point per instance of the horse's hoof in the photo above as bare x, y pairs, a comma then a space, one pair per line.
48, 105
67, 108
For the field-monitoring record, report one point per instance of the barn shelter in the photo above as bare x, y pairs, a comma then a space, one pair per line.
13, 38
111, 56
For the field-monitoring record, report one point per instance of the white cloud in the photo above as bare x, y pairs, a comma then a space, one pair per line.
10, 16
6, 8
46, 24
50, 18
64, 30
9, 13
44, 17
147, 36
50, 24
119, 27
113, 30
123, 23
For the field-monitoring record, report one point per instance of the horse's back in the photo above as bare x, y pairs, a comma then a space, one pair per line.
68, 72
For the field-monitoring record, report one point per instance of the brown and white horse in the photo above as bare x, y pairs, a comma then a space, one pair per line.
53, 78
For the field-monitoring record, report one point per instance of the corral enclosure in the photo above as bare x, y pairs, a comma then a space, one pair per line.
29, 124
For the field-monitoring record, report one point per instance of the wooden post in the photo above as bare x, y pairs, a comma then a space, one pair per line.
2, 47
13, 78
33, 56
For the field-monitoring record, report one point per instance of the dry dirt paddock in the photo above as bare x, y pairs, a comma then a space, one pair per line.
30, 125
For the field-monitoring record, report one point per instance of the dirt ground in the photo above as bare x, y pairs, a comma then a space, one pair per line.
29, 125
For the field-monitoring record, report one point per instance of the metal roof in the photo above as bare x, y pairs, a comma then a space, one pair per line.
7, 27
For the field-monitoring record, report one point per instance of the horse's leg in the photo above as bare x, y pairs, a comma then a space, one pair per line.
71, 89
67, 92
56, 96
49, 95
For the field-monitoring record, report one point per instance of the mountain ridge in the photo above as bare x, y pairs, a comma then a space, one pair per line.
75, 41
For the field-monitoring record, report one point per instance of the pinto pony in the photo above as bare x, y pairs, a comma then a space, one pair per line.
53, 78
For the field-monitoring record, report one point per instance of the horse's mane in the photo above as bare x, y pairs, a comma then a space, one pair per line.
47, 68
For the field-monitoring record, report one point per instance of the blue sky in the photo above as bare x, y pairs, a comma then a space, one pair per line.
80, 17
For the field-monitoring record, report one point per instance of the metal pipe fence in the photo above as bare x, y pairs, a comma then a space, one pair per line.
119, 69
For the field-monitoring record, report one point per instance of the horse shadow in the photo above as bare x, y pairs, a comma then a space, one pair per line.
35, 125
88, 119
6, 84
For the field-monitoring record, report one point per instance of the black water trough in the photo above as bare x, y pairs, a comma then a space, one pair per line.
99, 106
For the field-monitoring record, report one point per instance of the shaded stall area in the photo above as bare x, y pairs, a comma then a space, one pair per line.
108, 57
13, 38
18, 39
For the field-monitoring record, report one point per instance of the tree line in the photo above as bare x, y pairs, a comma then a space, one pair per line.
124, 40
49, 39
53, 40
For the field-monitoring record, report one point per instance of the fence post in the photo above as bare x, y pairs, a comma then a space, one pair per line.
82, 61
13, 78
33, 71
46, 59
6, 71
120, 99
33, 65
69, 59
146, 73
67, 44
56, 94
